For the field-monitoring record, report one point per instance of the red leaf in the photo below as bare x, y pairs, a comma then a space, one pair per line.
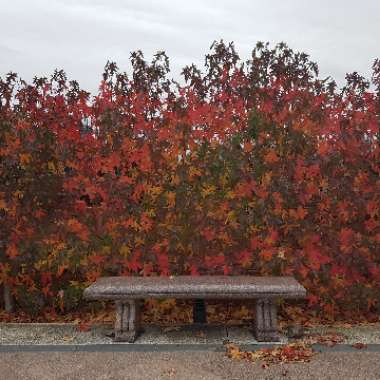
208, 234
97, 259
359, 345
346, 237
84, 327
135, 264
163, 262
194, 270
244, 258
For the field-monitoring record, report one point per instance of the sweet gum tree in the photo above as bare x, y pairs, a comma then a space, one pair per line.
256, 167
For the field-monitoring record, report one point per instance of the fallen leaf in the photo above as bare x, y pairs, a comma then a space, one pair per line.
265, 365
294, 352
329, 340
359, 345
68, 338
84, 327
171, 328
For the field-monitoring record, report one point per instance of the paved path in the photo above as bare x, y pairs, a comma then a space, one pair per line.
181, 366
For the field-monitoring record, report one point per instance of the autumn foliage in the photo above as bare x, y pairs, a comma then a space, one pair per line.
248, 168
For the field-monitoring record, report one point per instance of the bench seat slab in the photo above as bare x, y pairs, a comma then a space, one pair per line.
127, 322
194, 287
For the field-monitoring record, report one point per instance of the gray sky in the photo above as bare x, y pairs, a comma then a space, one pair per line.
79, 36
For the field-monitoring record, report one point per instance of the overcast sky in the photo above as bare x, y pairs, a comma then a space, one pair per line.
79, 36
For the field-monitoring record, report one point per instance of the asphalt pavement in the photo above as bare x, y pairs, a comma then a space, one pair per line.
64, 351
181, 366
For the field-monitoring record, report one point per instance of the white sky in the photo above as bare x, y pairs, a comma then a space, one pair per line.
79, 36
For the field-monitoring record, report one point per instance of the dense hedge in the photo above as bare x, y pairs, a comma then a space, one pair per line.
255, 168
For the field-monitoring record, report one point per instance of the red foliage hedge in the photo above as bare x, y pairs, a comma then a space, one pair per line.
255, 168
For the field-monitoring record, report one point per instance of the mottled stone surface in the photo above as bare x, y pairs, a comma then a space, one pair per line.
266, 321
203, 287
127, 323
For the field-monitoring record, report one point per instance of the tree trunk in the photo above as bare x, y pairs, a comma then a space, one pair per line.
8, 300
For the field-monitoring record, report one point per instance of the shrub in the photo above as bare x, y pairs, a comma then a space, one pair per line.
261, 168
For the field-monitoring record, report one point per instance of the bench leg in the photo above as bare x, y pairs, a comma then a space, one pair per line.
266, 321
127, 323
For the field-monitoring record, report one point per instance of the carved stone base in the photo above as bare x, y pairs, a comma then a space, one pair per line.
127, 323
266, 321
129, 336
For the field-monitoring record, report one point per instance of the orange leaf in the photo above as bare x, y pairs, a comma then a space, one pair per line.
60, 270
96, 259
266, 254
12, 251
271, 157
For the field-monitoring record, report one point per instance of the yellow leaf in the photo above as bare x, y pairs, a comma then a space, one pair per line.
106, 250
135, 226
18, 194
266, 178
281, 253
230, 194
139, 241
224, 179
61, 168
151, 213
194, 172
230, 217
125, 250
208, 190
154, 191
51, 167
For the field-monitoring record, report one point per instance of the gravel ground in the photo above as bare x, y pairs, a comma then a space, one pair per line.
62, 334
181, 366
368, 334
13, 333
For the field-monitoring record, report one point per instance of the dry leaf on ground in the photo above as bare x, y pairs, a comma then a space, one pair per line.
359, 345
294, 352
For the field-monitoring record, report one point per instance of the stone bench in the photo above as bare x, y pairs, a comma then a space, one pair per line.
127, 292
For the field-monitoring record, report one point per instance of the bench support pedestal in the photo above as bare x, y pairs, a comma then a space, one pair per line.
266, 321
127, 323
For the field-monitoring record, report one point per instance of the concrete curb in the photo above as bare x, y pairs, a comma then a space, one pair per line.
123, 347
